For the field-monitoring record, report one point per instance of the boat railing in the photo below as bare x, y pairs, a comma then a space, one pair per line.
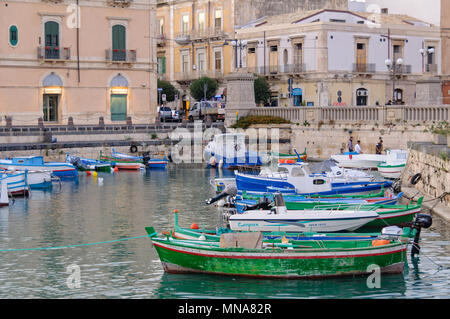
344, 206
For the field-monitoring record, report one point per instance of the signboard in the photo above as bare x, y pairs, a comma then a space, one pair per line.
164, 97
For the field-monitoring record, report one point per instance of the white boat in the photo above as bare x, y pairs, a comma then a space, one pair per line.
394, 165
354, 160
36, 163
219, 184
35, 179
4, 199
17, 182
312, 220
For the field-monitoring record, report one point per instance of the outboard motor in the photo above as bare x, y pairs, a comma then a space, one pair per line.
146, 158
230, 190
263, 203
421, 221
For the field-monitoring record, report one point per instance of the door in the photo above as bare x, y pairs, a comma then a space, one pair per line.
118, 107
51, 40
119, 43
51, 102
361, 57
273, 59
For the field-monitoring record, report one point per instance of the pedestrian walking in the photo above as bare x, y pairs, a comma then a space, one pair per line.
350, 144
358, 148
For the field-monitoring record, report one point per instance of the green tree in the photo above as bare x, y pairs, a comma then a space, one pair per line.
262, 90
168, 89
197, 88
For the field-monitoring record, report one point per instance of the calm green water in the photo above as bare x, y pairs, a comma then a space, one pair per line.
120, 206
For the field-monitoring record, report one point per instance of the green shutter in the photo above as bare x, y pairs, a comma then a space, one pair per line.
118, 37
51, 34
118, 107
13, 35
163, 63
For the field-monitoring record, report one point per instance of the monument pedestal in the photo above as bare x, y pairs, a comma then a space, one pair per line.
240, 96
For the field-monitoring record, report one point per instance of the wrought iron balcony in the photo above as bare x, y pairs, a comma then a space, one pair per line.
161, 40
117, 55
53, 53
364, 67
119, 3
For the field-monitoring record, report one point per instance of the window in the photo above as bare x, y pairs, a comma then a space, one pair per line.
13, 35
337, 20
185, 63
274, 48
161, 26
398, 95
119, 43
218, 60
161, 65
185, 24
361, 97
218, 19
201, 57
201, 21
251, 50
51, 40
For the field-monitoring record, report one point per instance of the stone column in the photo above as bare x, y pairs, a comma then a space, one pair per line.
240, 96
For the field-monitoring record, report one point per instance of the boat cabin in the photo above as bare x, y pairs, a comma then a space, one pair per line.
299, 175
28, 160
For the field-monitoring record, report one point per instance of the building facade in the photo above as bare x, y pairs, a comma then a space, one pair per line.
338, 58
195, 37
54, 67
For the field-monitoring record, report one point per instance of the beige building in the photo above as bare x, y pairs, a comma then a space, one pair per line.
52, 70
338, 58
195, 37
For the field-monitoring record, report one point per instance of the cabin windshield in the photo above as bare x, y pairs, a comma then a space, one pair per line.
297, 172
282, 170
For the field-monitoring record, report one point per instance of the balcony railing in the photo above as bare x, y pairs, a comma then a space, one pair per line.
183, 38
364, 67
194, 75
278, 69
431, 68
119, 3
161, 40
403, 69
118, 55
53, 53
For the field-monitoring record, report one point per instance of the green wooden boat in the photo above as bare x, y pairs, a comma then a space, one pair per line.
283, 157
363, 196
245, 254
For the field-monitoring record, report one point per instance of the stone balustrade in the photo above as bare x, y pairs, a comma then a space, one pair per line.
339, 114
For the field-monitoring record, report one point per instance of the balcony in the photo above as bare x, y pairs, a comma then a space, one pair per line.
364, 67
194, 75
431, 68
119, 3
208, 33
120, 56
183, 38
161, 40
403, 69
53, 53
274, 70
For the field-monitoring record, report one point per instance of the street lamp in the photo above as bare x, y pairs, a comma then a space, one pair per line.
392, 66
241, 44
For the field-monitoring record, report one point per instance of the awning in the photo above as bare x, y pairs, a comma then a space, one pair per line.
297, 92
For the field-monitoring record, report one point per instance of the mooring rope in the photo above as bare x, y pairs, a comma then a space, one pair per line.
73, 246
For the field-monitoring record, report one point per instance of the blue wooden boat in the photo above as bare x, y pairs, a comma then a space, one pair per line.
36, 163
299, 180
150, 163
16, 182
241, 204
86, 164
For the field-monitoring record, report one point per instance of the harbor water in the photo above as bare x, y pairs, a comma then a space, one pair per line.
88, 218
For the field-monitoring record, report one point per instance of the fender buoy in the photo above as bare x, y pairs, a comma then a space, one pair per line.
416, 178
133, 149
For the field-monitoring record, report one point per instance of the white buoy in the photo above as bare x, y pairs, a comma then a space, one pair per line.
100, 181
202, 237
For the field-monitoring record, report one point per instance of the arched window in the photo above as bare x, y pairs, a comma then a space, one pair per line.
13, 35
398, 95
285, 57
361, 96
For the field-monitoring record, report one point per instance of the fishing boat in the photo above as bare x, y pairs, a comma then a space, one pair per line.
35, 179
229, 150
150, 163
219, 184
86, 164
246, 254
394, 165
289, 158
4, 198
355, 160
36, 163
304, 202
298, 179
17, 182
122, 164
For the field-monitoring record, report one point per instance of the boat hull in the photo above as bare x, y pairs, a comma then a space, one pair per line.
368, 161
279, 263
60, 170
391, 171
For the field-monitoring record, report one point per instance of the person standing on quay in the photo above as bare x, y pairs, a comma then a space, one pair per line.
358, 148
350, 144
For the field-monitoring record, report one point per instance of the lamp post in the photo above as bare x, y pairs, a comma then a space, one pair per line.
241, 44
425, 53
392, 66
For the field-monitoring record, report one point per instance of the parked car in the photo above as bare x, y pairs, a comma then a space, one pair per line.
176, 116
165, 113
200, 110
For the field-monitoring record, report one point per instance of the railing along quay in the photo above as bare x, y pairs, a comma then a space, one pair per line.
349, 114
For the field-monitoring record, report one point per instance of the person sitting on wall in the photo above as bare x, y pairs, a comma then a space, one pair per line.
358, 148
379, 147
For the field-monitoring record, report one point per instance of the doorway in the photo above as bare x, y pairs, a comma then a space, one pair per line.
51, 103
